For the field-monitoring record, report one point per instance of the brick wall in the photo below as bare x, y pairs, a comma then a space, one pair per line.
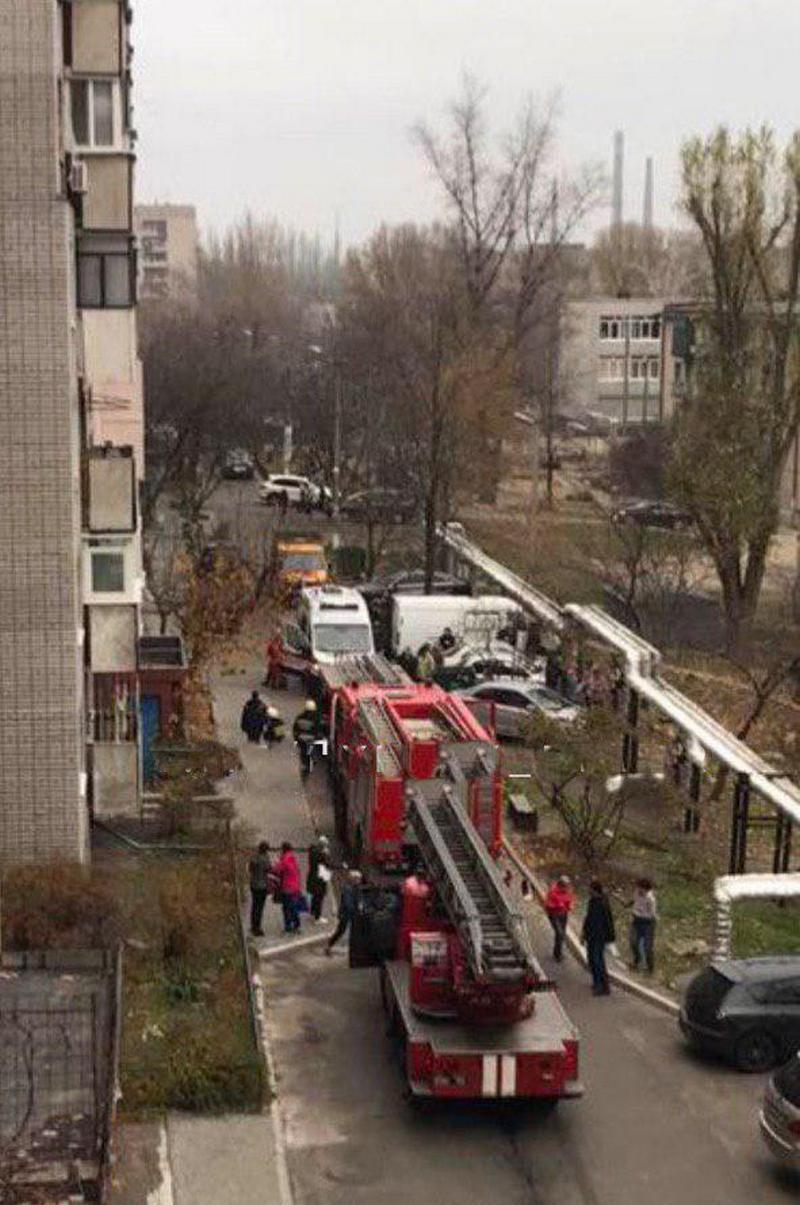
41, 731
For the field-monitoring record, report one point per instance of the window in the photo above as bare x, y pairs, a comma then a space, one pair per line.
156, 228
106, 273
655, 368
342, 638
636, 326
108, 572
93, 105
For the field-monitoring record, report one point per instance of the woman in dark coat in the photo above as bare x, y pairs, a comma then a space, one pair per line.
598, 932
254, 717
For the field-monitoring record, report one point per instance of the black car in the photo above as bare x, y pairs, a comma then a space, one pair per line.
380, 506
653, 514
746, 1010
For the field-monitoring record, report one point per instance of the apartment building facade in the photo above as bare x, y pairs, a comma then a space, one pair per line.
71, 427
611, 361
168, 244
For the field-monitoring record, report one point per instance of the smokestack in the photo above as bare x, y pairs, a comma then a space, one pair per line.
647, 215
619, 164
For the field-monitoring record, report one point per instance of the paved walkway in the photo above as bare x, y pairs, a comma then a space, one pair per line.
268, 794
187, 1160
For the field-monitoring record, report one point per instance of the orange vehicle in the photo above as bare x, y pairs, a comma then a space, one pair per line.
298, 561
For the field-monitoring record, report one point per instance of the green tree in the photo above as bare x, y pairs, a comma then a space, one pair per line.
733, 435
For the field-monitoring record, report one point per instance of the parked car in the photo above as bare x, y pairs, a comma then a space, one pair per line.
780, 1113
278, 488
412, 581
515, 702
652, 514
238, 466
746, 1010
497, 659
380, 505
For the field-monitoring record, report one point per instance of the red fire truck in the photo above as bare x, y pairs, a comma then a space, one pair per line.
418, 785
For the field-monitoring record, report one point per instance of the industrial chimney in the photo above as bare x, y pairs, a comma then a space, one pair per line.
619, 163
647, 215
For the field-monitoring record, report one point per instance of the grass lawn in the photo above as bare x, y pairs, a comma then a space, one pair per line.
187, 1039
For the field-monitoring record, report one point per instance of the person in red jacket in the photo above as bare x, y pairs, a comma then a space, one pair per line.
559, 902
288, 873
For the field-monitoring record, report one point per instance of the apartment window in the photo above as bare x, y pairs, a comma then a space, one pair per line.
156, 228
106, 273
611, 368
108, 572
94, 106
644, 367
109, 569
639, 326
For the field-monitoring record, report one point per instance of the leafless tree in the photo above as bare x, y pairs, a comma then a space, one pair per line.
733, 437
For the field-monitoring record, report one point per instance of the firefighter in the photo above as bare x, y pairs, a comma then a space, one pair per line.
274, 730
254, 715
348, 906
304, 732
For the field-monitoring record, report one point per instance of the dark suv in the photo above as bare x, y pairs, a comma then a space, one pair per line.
746, 1010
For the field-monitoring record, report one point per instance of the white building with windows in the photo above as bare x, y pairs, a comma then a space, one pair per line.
71, 429
611, 358
168, 243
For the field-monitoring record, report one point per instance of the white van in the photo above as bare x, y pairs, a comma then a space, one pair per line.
419, 619
334, 622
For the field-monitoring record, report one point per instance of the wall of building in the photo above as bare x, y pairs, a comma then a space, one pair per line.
113, 372
96, 36
107, 204
593, 368
42, 808
173, 258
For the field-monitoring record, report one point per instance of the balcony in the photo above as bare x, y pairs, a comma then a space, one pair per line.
111, 480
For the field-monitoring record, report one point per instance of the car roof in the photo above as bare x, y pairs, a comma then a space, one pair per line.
755, 970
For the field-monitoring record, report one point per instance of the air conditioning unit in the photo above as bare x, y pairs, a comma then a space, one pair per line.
78, 177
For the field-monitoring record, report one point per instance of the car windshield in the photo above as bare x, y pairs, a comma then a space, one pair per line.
787, 1081
342, 638
548, 700
303, 562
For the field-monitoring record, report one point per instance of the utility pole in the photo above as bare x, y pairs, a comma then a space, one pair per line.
626, 326
337, 439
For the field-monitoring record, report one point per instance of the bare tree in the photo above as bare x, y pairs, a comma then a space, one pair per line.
733, 437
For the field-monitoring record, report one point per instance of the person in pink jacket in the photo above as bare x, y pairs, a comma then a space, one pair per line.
558, 903
288, 872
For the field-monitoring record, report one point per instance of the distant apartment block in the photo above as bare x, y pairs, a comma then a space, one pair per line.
611, 358
168, 242
71, 428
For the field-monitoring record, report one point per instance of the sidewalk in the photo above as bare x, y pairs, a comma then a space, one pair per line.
187, 1160
268, 794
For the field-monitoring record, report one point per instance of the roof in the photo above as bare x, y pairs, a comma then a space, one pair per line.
332, 602
758, 970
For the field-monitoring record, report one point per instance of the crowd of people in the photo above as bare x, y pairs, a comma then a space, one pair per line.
280, 879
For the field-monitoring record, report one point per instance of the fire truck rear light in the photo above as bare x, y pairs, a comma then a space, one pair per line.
570, 1059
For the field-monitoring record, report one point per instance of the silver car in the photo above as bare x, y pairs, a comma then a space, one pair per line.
780, 1113
514, 702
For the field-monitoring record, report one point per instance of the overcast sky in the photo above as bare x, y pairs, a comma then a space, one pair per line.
301, 109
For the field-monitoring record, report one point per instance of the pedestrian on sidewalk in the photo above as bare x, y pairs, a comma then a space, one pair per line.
254, 716
274, 730
643, 925
260, 881
559, 902
319, 875
304, 732
348, 906
598, 932
288, 872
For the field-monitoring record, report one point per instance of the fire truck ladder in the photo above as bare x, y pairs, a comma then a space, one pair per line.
380, 729
494, 936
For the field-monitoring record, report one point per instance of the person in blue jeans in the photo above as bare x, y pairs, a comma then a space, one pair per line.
598, 932
348, 906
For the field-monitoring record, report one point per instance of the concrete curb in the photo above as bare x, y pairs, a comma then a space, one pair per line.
289, 947
632, 986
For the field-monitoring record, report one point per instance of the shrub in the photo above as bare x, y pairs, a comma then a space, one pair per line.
58, 905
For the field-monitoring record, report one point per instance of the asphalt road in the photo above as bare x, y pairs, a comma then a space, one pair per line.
657, 1125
